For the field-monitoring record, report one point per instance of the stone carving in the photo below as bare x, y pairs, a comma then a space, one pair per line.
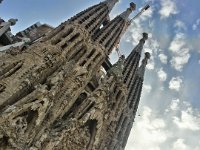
53, 94
117, 68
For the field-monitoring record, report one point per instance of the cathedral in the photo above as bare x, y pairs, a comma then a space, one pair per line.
58, 89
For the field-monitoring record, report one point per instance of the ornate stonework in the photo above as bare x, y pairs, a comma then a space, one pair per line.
53, 94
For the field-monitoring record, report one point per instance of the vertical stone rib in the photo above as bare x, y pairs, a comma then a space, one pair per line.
133, 92
131, 69
123, 129
137, 99
137, 86
126, 135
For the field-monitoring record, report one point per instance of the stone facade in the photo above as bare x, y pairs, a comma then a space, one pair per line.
54, 94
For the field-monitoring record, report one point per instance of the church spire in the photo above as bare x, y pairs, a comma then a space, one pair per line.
136, 84
127, 118
128, 11
111, 33
132, 61
141, 69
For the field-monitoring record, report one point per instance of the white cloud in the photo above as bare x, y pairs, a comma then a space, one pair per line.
174, 104
162, 75
180, 52
168, 8
147, 14
155, 129
180, 25
151, 64
148, 133
175, 83
179, 61
179, 145
178, 42
163, 58
187, 121
197, 23
147, 88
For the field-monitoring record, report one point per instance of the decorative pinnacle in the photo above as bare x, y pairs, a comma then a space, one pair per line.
132, 6
12, 21
147, 55
128, 11
141, 69
139, 47
145, 36
111, 3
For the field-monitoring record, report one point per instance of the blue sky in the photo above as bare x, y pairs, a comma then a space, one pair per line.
170, 106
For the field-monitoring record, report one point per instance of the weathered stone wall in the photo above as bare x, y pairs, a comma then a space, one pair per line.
52, 95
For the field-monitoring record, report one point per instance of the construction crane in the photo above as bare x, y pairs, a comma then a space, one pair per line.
146, 7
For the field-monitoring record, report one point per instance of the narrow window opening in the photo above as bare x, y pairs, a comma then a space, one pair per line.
92, 124
118, 95
91, 53
2, 88
64, 45
54, 42
87, 110
96, 57
67, 33
74, 37
83, 63
75, 55
4, 142
76, 105
91, 87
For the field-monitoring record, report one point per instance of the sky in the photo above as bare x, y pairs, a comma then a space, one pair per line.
168, 117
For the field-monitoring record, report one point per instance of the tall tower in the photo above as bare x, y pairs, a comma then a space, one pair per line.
131, 76
39, 87
134, 99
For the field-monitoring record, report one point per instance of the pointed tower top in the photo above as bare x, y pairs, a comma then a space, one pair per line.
141, 69
128, 11
145, 36
111, 3
139, 47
